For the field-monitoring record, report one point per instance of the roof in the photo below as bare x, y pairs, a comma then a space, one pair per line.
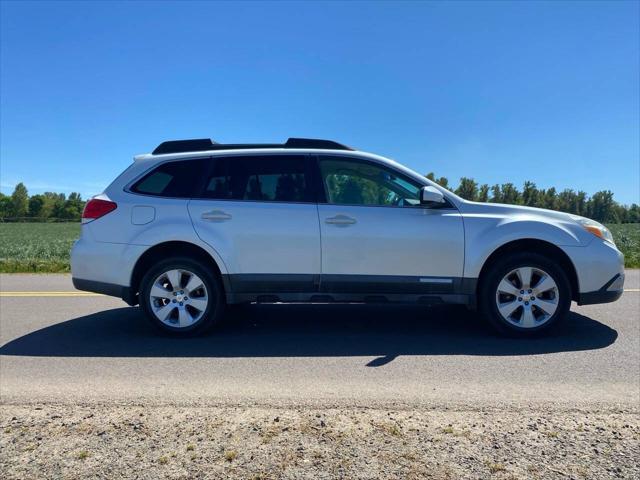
206, 144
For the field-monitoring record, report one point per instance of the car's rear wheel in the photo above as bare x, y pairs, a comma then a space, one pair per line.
180, 297
524, 294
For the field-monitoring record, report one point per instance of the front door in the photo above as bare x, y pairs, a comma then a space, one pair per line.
377, 238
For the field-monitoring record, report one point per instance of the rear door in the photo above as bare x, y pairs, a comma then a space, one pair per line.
259, 213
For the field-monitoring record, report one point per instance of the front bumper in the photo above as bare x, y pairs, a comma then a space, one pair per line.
599, 268
610, 292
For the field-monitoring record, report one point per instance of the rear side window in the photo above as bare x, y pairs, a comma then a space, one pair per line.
181, 179
269, 178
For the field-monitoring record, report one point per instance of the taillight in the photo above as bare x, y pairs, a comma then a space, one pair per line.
96, 208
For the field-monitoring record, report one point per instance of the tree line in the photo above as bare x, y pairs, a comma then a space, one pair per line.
600, 206
46, 206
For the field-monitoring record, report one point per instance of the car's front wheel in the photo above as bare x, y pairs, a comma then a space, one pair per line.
524, 294
180, 297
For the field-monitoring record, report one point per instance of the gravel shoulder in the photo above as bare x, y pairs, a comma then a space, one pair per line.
262, 442
88, 390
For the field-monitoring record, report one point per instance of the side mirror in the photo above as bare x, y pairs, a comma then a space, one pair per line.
431, 196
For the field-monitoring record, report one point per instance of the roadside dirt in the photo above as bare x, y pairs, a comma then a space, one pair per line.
258, 442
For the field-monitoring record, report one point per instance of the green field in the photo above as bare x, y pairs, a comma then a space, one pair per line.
627, 238
44, 247
36, 247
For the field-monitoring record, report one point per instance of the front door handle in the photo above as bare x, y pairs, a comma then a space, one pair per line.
340, 220
215, 216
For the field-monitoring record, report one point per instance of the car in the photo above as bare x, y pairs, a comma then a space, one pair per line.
197, 225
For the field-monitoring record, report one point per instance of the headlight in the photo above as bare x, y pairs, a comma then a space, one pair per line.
597, 229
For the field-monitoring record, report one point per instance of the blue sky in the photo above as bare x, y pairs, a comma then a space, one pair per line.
502, 92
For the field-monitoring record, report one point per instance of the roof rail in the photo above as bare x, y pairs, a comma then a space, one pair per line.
174, 146
206, 144
315, 143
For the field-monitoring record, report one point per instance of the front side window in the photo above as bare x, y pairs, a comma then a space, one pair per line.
178, 179
270, 178
353, 182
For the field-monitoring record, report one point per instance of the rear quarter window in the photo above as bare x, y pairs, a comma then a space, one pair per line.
178, 179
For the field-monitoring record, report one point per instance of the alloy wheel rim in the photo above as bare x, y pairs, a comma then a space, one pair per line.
178, 298
527, 297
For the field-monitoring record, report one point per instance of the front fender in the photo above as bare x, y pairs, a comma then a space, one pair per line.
484, 235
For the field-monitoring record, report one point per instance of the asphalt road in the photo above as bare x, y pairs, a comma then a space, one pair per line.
72, 347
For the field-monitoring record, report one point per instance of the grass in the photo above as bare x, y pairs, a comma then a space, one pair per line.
627, 238
45, 247
83, 455
36, 247
449, 430
390, 428
495, 467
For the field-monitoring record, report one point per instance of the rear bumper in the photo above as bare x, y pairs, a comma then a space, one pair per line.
103, 267
610, 292
110, 289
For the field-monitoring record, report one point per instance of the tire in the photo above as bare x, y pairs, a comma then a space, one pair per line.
524, 309
194, 305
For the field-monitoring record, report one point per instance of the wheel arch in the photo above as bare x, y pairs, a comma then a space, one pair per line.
171, 249
531, 245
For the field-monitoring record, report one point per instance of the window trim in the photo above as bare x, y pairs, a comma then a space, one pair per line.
321, 187
312, 170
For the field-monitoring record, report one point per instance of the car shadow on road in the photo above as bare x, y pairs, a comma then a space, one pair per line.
385, 332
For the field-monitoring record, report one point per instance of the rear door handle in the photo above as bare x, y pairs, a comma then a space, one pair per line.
215, 216
340, 220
